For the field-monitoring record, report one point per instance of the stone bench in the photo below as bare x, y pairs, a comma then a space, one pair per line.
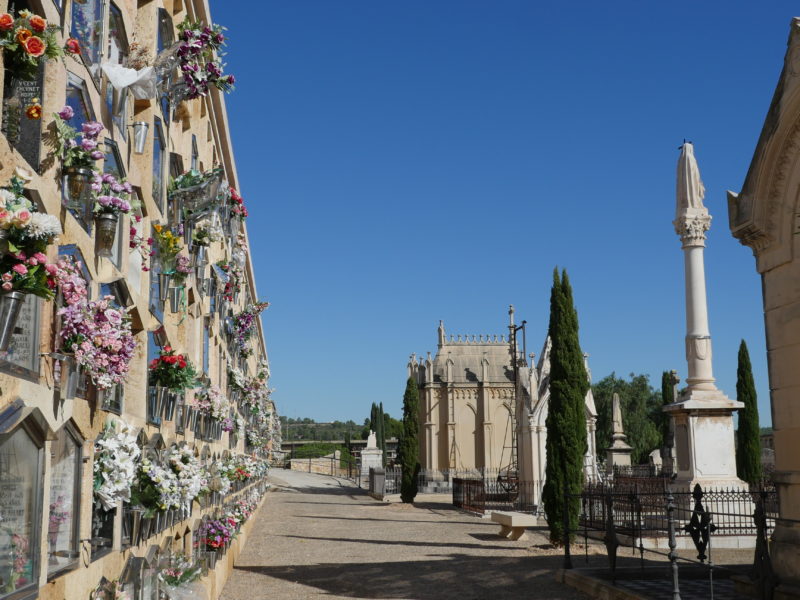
513, 524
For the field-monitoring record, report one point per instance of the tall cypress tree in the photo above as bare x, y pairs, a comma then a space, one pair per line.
748, 440
667, 397
409, 443
373, 420
381, 434
566, 420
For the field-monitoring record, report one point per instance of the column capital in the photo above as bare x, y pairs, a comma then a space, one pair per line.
691, 226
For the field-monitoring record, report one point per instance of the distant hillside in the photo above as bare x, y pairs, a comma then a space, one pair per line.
309, 429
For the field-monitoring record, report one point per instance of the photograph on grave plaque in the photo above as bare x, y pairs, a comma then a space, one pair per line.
19, 511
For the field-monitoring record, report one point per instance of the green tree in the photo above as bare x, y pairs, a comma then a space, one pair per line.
667, 397
748, 440
566, 421
381, 437
641, 413
409, 442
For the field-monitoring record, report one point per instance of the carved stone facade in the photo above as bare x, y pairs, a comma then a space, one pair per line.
467, 395
764, 216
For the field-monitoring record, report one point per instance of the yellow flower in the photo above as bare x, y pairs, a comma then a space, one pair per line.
157, 228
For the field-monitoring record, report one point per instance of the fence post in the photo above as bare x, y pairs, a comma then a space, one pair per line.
567, 556
673, 544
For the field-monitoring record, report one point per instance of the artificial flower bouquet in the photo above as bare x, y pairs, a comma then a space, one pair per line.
190, 475
209, 401
26, 234
28, 40
112, 197
199, 58
172, 370
169, 246
206, 231
177, 573
235, 275
155, 488
140, 243
183, 268
115, 464
237, 205
244, 325
75, 153
99, 334
215, 534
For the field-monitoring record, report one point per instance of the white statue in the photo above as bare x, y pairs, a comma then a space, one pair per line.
690, 188
371, 441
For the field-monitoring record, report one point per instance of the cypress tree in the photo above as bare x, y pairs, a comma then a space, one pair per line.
667, 397
566, 420
373, 419
380, 434
748, 441
409, 443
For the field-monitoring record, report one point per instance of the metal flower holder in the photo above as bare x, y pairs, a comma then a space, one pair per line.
168, 406
69, 377
175, 295
106, 233
78, 187
10, 305
164, 280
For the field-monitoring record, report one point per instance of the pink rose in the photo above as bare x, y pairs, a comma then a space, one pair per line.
51, 269
21, 218
20, 268
32, 261
7, 277
7, 286
42, 258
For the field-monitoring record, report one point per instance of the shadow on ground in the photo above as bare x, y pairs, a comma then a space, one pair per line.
455, 576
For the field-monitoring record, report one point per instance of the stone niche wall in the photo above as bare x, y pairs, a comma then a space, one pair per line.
34, 415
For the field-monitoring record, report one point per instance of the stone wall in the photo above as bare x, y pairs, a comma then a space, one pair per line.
193, 133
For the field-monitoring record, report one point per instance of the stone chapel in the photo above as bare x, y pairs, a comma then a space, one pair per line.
470, 416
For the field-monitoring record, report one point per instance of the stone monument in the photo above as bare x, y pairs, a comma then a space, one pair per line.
619, 453
703, 415
371, 456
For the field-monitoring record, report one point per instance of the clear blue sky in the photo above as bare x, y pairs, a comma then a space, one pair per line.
405, 162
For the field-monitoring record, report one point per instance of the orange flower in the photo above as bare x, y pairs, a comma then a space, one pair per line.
6, 22
23, 35
34, 46
38, 23
34, 111
73, 46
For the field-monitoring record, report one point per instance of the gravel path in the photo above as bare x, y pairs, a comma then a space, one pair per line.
320, 537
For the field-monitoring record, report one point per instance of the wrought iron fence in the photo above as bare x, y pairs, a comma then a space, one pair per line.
637, 517
481, 495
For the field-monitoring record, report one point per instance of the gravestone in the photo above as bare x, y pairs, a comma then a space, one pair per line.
23, 133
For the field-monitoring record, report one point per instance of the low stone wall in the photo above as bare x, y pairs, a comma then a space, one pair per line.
325, 465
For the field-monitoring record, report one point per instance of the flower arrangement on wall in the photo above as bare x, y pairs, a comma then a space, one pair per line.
172, 370
24, 237
209, 401
238, 208
206, 231
29, 40
177, 574
190, 475
235, 280
198, 57
244, 325
115, 459
99, 334
112, 196
169, 245
140, 243
77, 153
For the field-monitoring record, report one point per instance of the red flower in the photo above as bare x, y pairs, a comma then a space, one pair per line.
167, 349
38, 23
6, 22
73, 46
154, 363
34, 46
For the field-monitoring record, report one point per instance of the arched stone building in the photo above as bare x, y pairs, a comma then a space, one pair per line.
468, 408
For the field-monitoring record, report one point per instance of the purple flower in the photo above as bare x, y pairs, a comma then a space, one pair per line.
92, 129
66, 113
109, 178
117, 188
96, 155
128, 187
88, 144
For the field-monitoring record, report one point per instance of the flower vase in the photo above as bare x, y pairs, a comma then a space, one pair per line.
164, 279
175, 298
200, 255
69, 377
160, 400
134, 525
10, 305
78, 185
199, 274
106, 233
146, 528
169, 406
52, 541
193, 419
186, 416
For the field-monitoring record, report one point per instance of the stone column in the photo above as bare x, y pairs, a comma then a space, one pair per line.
619, 453
704, 435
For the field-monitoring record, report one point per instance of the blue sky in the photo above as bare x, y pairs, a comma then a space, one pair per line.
405, 162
